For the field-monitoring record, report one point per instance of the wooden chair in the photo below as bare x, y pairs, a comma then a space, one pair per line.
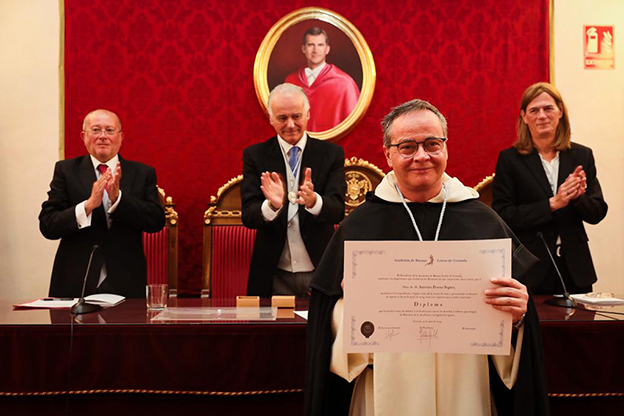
485, 190
161, 248
228, 244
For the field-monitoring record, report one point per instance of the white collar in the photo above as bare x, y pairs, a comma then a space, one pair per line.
457, 192
316, 70
112, 163
553, 161
301, 144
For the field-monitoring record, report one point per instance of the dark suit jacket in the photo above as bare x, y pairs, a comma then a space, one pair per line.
121, 246
521, 195
327, 163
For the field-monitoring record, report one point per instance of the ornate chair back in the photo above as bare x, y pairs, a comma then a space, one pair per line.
361, 177
227, 244
485, 190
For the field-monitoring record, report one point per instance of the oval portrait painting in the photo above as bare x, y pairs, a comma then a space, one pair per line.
324, 54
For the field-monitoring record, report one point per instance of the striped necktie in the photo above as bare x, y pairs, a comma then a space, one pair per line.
292, 158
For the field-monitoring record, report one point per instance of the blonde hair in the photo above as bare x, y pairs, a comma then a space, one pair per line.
524, 144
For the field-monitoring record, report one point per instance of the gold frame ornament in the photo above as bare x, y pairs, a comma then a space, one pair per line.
265, 50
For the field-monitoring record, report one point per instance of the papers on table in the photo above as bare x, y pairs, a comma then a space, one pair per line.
103, 299
48, 303
597, 300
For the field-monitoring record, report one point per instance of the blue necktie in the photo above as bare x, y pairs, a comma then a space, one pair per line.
292, 158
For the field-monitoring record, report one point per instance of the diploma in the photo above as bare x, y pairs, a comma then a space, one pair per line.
410, 296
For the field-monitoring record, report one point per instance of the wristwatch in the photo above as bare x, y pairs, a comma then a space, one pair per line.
272, 207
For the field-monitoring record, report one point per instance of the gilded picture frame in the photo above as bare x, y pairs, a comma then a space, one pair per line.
280, 53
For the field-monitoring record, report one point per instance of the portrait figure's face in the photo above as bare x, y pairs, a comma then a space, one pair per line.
423, 171
102, 136
542, 116
288, 116
315, 50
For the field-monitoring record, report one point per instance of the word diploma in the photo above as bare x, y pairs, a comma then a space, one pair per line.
413, 296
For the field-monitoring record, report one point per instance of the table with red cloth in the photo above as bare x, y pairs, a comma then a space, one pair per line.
124, 362
584, 365
121, 359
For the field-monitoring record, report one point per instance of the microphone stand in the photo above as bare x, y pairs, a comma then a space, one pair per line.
564, 301
82, 306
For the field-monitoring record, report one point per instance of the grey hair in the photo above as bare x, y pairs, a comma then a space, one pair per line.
288, 89
101, 110
405, 108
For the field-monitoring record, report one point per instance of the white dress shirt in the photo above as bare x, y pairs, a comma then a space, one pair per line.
552, 171
312, 74
84, 220
295, 257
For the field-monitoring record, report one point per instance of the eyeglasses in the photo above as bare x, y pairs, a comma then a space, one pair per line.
432, 145
109, 131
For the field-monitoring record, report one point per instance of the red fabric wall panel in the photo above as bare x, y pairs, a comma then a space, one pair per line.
180, 75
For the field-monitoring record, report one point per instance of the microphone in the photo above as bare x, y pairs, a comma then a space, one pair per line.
82, 306
565, 301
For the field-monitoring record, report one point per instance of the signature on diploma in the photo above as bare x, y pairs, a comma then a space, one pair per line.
427, 334
391, 333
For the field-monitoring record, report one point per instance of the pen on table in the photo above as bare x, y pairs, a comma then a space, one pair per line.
58, 298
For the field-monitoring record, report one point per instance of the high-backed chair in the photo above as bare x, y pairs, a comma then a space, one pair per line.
228, 244
485, 190
161, 248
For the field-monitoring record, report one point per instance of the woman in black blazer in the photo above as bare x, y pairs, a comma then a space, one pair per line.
545, 188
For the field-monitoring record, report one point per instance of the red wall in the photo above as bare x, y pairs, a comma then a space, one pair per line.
179, 73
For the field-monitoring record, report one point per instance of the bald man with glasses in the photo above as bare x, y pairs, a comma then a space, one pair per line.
105, 200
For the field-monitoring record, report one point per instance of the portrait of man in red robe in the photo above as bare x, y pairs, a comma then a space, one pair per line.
332, 92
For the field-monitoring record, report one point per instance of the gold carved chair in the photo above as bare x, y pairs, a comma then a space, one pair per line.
228, 244
161, 248
485, 189
361, 177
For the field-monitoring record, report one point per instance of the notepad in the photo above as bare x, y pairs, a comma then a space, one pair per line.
605, 301
103, 299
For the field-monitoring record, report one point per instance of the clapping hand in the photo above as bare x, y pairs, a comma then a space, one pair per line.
97, 192
112, 187
273, 189
307, 196
573, 187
